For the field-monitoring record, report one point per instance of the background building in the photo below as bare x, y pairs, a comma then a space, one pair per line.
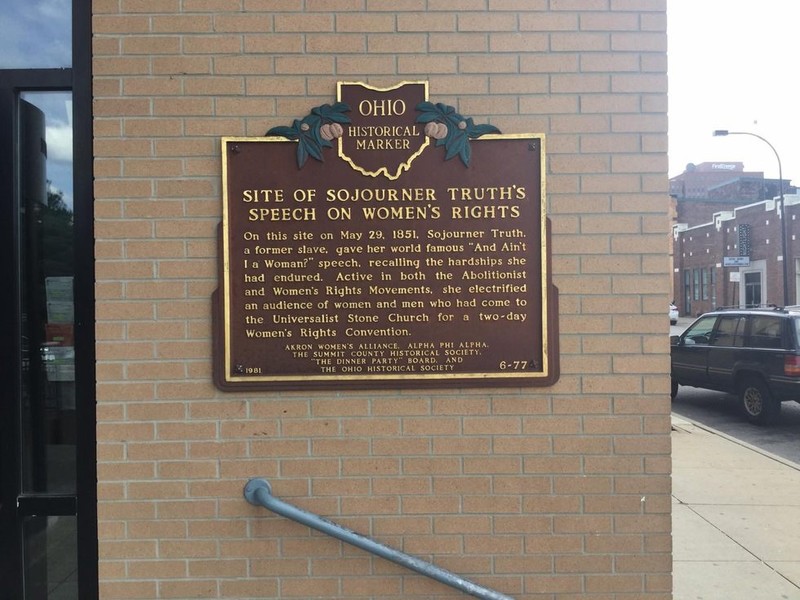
728, 239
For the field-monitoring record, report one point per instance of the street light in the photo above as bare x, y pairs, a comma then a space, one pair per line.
724, 132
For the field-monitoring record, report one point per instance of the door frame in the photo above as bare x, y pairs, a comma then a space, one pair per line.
14, 507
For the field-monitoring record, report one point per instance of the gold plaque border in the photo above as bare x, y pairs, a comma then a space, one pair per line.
370, 381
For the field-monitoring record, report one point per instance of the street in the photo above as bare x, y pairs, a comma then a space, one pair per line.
723, 413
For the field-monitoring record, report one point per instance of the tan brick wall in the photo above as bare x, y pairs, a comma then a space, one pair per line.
559, 492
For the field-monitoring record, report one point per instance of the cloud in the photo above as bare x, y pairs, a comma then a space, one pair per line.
54, 9
36, 34
59, 143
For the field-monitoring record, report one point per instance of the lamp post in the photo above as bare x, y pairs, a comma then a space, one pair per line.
724, 132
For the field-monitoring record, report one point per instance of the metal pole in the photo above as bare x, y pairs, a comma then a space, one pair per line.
784, 248
259, 493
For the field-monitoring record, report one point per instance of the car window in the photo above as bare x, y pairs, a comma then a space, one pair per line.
796, 327
766, 332
700, 331
730, 331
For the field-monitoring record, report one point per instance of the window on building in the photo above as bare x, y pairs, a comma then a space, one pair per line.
687, 292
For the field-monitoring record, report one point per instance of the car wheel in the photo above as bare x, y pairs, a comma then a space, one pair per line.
674, 390
759, 406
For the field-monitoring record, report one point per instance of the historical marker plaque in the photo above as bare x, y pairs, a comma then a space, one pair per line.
384, 241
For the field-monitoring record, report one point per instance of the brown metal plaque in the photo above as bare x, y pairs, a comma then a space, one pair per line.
416, 255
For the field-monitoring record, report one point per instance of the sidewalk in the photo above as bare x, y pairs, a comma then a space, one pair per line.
735, 518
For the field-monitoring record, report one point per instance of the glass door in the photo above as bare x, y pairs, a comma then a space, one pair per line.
48, 514
752, 289
38, 458
47, 415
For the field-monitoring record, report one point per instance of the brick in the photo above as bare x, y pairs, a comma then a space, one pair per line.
211, 5
613, 583
421, 64
181, 23
639, 42
605, 62
151, 44
426, 22
492, 504
183, 65
365, 22
525, 42
250, 588
119, 24
337, 44
468, 21
583, 564
213, 44
541, 487
488, 64
127, 589
372, 585
148, 6
357, 65
396, 43
307, 587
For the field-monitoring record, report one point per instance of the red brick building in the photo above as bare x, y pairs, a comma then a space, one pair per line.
735, 257
722, 211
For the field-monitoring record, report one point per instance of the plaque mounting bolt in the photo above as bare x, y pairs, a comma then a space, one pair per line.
235, 149
239, 369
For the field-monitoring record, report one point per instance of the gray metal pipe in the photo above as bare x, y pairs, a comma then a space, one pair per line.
259, 493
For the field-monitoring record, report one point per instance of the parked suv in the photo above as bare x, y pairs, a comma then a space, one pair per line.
754, 353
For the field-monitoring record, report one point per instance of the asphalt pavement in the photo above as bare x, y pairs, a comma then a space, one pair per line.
724, 413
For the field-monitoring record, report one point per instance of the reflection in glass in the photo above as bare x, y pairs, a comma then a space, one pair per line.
47, 269
36, 34
51, 558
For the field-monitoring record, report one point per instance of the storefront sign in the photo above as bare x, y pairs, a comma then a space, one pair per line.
384, 240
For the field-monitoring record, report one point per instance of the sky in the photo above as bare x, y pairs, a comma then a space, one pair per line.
733, 65
36, 33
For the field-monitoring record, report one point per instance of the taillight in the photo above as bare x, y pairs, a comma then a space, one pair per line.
791, 365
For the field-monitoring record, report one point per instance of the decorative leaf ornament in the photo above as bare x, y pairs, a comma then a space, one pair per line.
315, 131
459, 130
